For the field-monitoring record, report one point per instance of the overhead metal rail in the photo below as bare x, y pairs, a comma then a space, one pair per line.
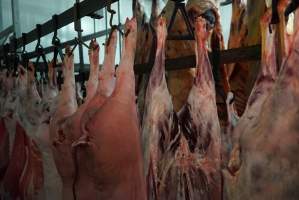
72, 42
6, 32
85, 8
226, 56
243, 54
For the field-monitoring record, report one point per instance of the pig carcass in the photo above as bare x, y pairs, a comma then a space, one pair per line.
112, 146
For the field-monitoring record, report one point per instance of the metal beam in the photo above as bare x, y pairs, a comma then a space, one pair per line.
1, 21
80, 46
86, 7
226, 56
50, 49
2, 41
1, 15
58, 67
6, 31
225, 3
15, 11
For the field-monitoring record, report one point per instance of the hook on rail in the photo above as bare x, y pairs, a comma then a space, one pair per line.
77, 16
180, 5
40, 54
24, 57
16, 59
77, 42
209, 15
24, 41
56, 42
117, 27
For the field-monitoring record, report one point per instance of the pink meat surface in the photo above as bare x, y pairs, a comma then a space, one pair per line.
4, 149
16, 164
112, 149
104, 89
199, 124
263, 87
72, 125
28, 110
160, 125
106, 82
32, 178
61, 142
182, 151
269, 151
52, 184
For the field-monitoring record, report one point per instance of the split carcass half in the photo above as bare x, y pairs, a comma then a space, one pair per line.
72, 126
105, 87
4, 149
52, 186
160, 124
112, 146
199, 124
269, 151
106, 82
61, 142
260, 92
29, 106
17, 164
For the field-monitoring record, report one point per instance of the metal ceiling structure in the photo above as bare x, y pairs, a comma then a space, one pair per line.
79, 10
87, 8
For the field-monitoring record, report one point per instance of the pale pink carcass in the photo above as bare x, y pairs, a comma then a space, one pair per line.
112, 145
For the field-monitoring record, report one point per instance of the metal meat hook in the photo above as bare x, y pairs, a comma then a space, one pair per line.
40, 53
24, 58
78, 41
112, 13
180, 5
56, 42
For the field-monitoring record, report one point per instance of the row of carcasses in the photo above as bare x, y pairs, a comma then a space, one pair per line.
53, 149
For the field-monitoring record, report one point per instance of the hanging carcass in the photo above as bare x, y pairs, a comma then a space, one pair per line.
67, 105
160, 123
269, 167
112, 144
